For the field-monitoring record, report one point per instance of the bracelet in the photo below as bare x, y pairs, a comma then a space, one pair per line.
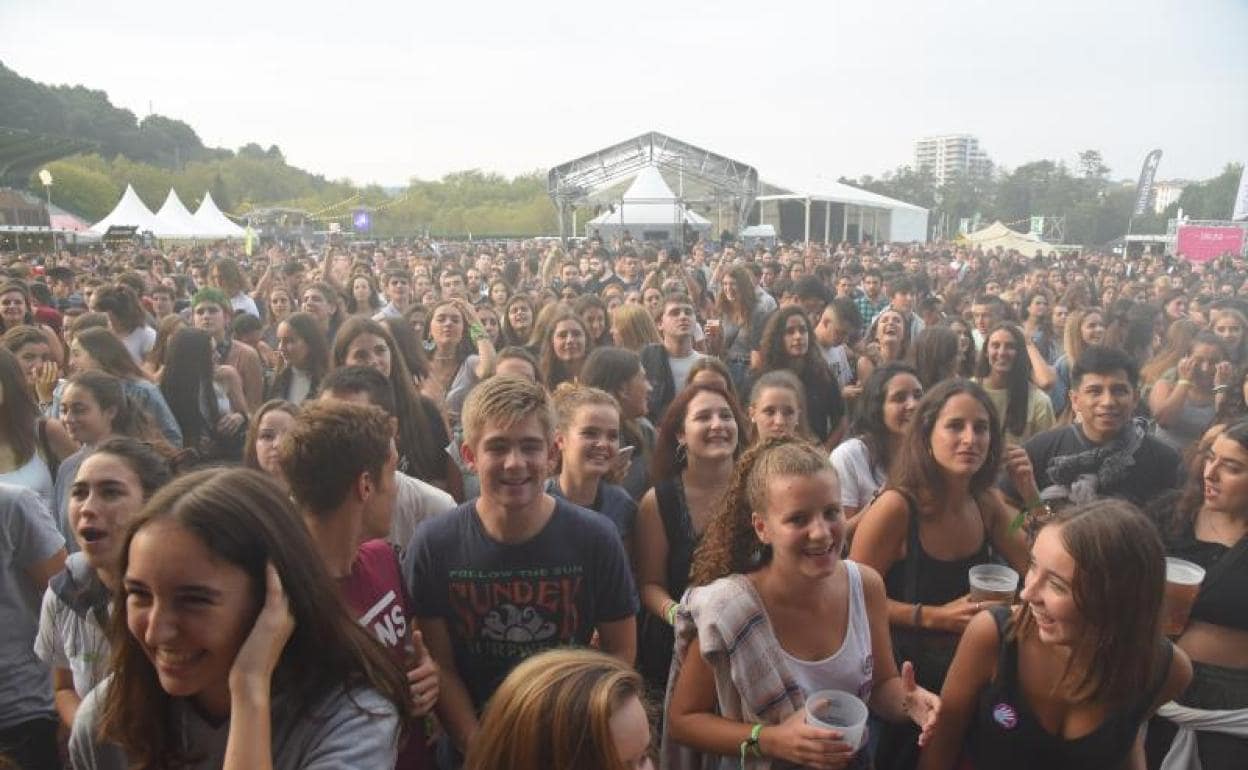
1033, 505
670, 613
1183, 382
476, 332
750, 744
916, 619
1220, 389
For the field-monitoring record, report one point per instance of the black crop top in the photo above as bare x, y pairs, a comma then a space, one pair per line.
1224, 600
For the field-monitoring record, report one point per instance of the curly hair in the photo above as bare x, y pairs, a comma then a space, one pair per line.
730, 544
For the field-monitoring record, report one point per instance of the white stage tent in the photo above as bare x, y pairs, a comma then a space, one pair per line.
212, 222
174, 221
848, 213
649, 211
130, 211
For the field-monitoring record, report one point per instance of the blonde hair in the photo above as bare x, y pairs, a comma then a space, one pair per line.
505, 400
569, 397
635, 326
730, 544
553, 711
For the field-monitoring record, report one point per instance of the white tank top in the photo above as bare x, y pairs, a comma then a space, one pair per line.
34, 475
850, 668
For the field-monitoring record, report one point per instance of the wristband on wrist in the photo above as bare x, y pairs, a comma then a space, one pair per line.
916, 619
1219, 389
750, 744
670, 612
476, 332
1183, 382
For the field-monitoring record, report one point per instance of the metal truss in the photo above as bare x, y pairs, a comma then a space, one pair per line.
573, 183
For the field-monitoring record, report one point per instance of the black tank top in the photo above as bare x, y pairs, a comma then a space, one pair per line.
1005, 732
1223, 597
655, 638
921, 579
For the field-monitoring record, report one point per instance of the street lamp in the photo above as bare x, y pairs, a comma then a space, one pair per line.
45, 177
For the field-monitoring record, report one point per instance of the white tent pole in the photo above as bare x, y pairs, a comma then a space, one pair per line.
845, 223
807, 238
827, 223
860, 218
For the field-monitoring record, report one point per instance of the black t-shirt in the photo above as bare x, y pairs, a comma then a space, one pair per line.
1156, 467
504, 602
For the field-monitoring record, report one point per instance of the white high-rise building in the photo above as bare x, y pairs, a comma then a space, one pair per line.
1165, 193
951, 156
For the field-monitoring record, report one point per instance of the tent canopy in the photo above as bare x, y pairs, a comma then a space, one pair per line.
649, 202
997, 234
212, 222
174, 221
130, 211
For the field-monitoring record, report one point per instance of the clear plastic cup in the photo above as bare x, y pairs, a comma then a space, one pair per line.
840, 711
1183, 580
992, 583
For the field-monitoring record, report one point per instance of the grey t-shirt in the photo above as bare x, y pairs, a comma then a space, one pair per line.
347, 731
27, 536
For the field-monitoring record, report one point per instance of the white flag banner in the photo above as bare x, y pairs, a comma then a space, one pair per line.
1241, 197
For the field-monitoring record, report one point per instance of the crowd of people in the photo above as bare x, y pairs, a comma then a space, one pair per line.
618, 505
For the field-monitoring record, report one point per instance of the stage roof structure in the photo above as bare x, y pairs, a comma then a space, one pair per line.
575, 182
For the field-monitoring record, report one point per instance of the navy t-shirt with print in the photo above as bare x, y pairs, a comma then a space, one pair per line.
503, 602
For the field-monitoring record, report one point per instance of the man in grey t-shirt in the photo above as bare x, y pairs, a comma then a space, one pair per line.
31, 552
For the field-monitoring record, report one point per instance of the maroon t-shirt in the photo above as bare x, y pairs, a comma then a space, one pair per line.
374, 591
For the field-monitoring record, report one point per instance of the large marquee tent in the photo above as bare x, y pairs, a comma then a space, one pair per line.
649, 211
213, 222
130, 211
173, 221
997, 234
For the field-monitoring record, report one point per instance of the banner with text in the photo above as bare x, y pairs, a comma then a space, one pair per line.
1201, 244
1144, 189
1241, 197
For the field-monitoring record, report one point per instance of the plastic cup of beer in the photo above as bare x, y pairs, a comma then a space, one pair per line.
840, 711
1183, 581
992, 583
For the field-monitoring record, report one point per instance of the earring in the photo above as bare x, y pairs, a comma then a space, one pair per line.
682, 454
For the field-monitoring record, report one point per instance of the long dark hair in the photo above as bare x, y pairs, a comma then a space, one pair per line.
1119, 580
869, 425
305, 325
186, 380
420, 455
935, 354
551, 370
509, 334
129, 419
915, 471
409, 346
1018, 383
610, 369
18, 411
109, 353
811, 368
244, 519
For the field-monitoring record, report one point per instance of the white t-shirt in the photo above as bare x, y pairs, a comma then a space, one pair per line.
415, 502
838, 359
243, 303
859, 483
140, 342
681, 367
69, 640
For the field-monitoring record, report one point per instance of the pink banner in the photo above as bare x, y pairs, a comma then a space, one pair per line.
1201, 244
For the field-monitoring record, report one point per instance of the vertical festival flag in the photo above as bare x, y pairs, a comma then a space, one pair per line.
1241, 198
1144, 190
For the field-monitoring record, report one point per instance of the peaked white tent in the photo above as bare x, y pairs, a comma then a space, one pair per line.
648, 210
174, 221
130, 211
997, 234
212, 222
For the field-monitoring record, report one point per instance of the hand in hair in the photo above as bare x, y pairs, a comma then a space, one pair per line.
256, 660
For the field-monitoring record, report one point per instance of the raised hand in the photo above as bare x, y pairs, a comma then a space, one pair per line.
921, 705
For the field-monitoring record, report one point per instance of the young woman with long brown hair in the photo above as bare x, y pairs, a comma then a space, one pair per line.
1067, 679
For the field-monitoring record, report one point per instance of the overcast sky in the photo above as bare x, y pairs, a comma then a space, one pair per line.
383, 91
